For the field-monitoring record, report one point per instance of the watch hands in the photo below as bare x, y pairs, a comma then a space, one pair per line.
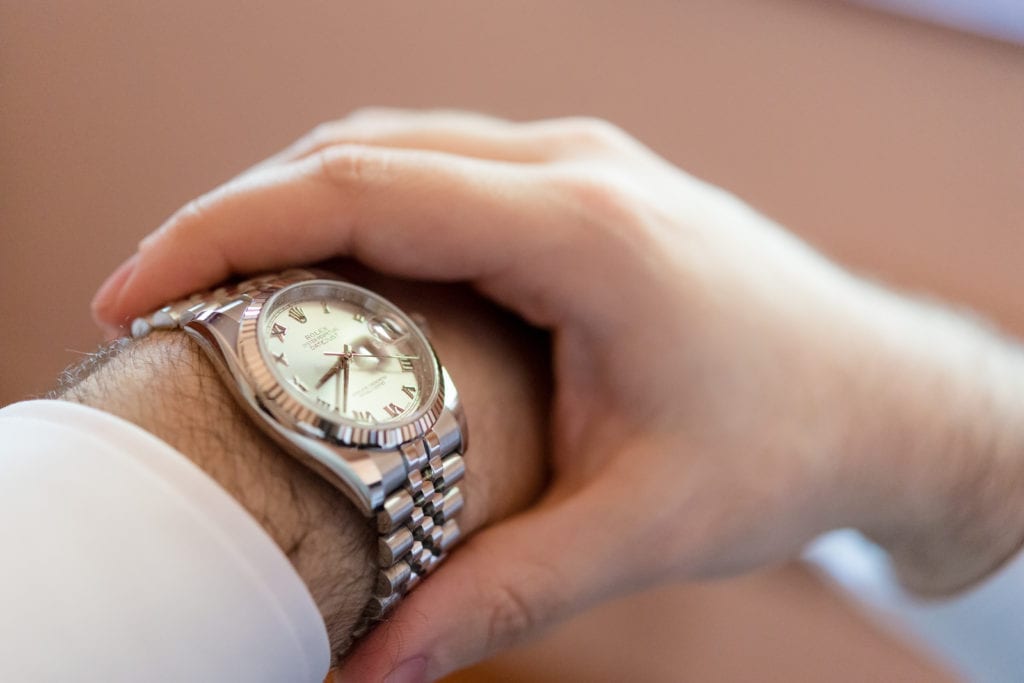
337, 389
344, 370
370, 355
342, 364
333, 371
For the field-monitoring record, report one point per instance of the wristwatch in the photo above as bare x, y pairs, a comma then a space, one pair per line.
350, 385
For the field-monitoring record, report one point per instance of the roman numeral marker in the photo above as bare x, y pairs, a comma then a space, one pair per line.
297, 382
279, 357
296, 313
406, 364
363, 416
359, 317
324, 304
278, 331
409, 391
392, 410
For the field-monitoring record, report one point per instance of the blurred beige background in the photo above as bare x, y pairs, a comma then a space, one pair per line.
896, 147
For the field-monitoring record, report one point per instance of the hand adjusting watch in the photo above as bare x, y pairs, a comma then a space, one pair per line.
349, 385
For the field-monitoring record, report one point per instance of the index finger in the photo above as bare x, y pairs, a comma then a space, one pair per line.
410, 213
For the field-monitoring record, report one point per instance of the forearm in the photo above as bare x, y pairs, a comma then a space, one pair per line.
167, 386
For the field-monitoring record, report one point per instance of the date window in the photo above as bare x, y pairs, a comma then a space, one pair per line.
386, 329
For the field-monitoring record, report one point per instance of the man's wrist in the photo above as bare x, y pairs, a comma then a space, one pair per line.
945, 446
167, 386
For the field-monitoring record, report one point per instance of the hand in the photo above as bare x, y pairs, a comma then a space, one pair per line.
723, 393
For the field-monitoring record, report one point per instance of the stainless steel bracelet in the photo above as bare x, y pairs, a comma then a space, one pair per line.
416, 523
201, 304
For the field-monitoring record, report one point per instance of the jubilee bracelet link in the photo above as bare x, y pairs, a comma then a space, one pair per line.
416, 524
181, 313
417, 527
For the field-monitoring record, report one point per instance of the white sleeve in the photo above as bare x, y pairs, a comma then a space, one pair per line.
123, 561
978, 633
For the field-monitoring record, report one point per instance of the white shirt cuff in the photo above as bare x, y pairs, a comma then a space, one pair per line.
123, 561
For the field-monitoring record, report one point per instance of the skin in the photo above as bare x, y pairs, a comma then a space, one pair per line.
166, 385
723, 393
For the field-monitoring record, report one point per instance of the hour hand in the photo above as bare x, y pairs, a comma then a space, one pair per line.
330, 373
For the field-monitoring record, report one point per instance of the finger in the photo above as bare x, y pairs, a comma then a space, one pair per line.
467, 133
505, 585
414, 214
455, 132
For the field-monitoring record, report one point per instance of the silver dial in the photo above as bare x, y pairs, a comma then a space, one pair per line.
347, 353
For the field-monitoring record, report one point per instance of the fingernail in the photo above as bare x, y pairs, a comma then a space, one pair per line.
108, 292
410, 671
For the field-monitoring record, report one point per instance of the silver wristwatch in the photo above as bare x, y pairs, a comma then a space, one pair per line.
349, 384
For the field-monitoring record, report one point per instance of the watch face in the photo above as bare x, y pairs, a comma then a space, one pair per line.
347, 354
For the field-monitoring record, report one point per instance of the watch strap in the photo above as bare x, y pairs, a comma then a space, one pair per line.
416, 523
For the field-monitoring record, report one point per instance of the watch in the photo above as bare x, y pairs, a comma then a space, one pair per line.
349, 384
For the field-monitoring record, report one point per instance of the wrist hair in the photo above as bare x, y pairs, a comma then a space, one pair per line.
166, 385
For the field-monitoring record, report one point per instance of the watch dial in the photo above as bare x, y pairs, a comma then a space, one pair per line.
347, 353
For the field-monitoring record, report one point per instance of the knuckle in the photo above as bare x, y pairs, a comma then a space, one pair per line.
523, 603
511, 617
372, 113
596, 196
588, 132
321, 134
190, 218
349, 166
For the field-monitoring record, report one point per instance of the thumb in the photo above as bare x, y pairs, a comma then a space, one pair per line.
504, 585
